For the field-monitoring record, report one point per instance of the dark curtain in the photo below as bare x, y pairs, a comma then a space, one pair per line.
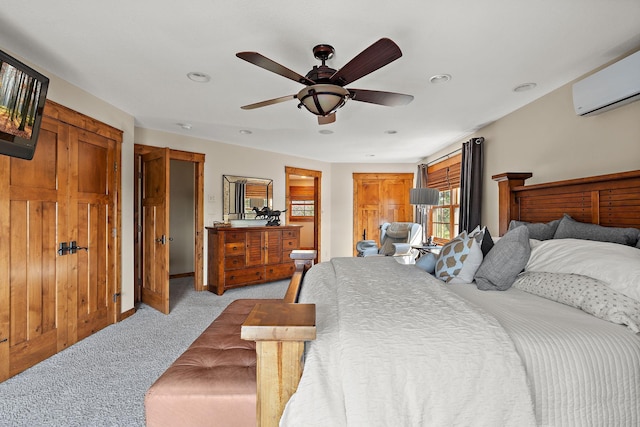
471, 184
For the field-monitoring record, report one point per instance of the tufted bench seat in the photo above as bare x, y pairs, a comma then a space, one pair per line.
213, 383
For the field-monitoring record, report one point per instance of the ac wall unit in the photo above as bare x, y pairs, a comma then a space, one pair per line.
612, 87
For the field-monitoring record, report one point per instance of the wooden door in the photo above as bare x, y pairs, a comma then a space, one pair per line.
255, 248
273, 249
155, 213
91, 212
33, 300
379, 198
50, 298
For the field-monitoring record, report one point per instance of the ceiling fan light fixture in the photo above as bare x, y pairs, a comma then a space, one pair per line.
322, 99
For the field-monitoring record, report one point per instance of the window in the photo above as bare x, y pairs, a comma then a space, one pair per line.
443, 218
302, 204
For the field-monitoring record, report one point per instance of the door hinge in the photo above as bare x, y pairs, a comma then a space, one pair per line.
114, 232
115, 296
115, 166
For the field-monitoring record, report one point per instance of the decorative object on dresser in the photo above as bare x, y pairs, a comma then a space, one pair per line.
241, 194
241, 256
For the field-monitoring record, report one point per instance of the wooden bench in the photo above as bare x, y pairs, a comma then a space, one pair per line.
213, 383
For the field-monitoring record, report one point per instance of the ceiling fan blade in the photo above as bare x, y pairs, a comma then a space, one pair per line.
268, 102
390, 99
375, 56
268, 64
325, 120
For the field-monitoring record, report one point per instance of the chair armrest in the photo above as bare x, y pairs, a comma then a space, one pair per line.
402, 249
369, 251
366, 245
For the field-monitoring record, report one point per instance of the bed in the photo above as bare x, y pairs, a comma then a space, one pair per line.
559, 346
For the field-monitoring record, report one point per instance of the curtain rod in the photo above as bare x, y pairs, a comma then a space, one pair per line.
459, 150
478, 140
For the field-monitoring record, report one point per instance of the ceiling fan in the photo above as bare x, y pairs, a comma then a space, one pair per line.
324, 90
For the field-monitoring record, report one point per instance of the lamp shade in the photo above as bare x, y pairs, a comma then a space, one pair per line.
424, 196
323, 99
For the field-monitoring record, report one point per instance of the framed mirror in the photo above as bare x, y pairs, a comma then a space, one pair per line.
241, 194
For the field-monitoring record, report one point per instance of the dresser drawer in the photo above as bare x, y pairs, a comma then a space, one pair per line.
234, 236
289, 244
234, 262
244, 276
234, 248
290, 234
280, 271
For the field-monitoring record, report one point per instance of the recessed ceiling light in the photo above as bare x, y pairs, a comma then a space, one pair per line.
199, 77
185, 126
325, 131
390, 132
524, 87
440, 78
245, 131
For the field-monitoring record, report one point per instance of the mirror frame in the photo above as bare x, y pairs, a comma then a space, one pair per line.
228, 189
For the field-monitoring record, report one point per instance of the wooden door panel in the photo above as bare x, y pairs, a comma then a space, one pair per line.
91, 157
37, 293
274, 247
155, 213
254, 252
94, 296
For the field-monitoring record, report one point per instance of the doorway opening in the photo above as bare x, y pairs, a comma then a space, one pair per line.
168, 211
304, 205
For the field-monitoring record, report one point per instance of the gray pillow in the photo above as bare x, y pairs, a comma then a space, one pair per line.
538, 230
572, 229
504, 261
638, 244
427, 262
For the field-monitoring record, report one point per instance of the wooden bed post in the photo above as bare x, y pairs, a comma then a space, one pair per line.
280, 330
507, 204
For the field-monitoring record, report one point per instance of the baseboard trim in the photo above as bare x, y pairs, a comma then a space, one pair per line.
126, 314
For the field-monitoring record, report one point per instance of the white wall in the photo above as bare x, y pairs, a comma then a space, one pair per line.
547, 139
181, 217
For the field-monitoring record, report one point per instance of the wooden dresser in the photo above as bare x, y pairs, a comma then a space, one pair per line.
241, 256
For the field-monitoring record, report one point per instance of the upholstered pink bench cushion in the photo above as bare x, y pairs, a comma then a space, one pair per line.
213, 383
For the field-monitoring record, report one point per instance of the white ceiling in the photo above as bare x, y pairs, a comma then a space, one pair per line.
135, 55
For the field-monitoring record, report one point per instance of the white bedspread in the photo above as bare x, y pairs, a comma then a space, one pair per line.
583, 371
395, 347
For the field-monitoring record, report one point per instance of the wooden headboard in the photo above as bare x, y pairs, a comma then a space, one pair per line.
611, 200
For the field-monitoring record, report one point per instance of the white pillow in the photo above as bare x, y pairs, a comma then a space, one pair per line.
616, 265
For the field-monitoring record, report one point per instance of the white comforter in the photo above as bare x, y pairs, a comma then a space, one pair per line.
406, 352
583, 371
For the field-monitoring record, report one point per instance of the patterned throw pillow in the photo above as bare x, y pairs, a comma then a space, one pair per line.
460, 258
586, 293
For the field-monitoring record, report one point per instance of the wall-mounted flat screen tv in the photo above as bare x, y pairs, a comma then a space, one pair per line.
23, 92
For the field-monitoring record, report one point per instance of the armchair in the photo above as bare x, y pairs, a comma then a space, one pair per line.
396, 239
